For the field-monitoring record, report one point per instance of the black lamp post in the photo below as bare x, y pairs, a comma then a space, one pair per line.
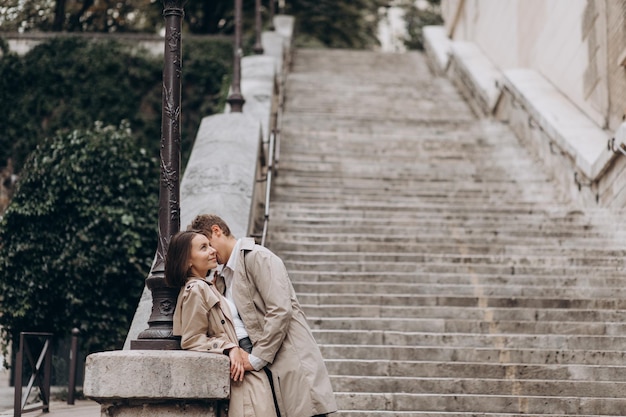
159, 335
258, 46
235, 99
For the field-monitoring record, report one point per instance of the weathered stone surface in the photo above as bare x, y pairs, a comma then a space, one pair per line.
443, 270
156, 376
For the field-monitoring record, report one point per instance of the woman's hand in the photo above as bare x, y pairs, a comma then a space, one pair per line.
236, 364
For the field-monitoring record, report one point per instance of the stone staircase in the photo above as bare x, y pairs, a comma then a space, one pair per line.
441, 270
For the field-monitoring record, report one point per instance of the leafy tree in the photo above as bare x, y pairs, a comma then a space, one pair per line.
331, 23
81, 15
57, 87
418, 17
336, 23
79, 235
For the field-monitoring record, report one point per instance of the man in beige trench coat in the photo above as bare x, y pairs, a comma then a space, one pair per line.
275, 323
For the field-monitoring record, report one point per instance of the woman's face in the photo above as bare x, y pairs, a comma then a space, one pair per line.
202, 257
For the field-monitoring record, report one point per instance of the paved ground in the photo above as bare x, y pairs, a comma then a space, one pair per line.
81, 408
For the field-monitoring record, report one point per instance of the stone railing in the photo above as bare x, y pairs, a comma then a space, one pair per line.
221, 178
572, 146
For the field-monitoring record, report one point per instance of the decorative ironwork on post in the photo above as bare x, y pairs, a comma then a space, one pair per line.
159, 333
235, 99
258, 46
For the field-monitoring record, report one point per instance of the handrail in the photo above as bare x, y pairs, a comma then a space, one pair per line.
40, 374
271, 164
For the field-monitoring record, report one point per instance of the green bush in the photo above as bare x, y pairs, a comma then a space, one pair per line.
78, 238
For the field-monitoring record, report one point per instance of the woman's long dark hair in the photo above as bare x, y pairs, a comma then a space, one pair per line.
177, 258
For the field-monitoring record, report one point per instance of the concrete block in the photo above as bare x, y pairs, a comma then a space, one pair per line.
220, 173
156, 375
570, 129
283, 25
274, 46
478, 74
258, 78
437, 46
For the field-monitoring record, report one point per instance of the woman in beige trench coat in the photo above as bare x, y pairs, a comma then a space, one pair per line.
204, 322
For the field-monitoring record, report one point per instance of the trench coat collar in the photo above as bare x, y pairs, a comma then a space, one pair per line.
223, 306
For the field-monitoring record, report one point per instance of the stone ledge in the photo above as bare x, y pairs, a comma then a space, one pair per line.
570, 129
437, 46
478, 73
156, 375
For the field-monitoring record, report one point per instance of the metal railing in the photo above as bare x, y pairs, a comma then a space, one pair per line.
40, 373
270, 164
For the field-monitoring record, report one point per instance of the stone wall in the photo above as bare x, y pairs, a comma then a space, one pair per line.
558, 71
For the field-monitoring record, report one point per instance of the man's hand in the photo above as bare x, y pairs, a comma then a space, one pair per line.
246, 361
237, 363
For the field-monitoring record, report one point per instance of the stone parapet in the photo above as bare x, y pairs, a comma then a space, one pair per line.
572, 146
157, 383
475, 75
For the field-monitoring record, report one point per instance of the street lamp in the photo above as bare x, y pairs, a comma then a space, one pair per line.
235, 99
159, 333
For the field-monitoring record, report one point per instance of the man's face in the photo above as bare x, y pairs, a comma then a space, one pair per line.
218, 241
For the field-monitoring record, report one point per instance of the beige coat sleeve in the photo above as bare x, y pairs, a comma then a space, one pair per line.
202, 321
269, 275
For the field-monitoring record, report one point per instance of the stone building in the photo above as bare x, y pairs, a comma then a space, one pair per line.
554, 69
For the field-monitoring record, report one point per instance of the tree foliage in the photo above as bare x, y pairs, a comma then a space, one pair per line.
336, 24
81, 15
77, 240
57, 87
331, 23
418, 17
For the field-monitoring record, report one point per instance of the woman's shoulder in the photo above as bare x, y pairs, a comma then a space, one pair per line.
195, 288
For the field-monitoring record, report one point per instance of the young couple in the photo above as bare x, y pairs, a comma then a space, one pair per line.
250, 313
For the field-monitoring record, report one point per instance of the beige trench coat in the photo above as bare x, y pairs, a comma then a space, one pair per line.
204, 322
279, 331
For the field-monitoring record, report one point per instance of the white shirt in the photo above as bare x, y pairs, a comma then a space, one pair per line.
228, 272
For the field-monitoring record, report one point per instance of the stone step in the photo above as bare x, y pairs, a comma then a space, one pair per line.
445, 312
441, 225
475, 300
460, 235
469, 267
378, 337
535, 405
502, 355
518, 248
468, 288
386, 413
478, 384
582, 279
423, 325
387, 258
455, 240
519, 372
405, 198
